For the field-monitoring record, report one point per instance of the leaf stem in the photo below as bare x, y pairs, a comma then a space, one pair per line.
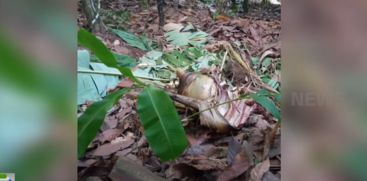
207, 109
99, 72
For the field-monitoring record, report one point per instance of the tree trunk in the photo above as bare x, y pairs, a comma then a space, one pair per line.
245, 6
160, 4
90, 9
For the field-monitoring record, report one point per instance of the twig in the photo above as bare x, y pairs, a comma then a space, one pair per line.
184, 100
188, 101
119, 74
99, 72
269, 140
274, 132
247, 67
153, 78
207, 109
223, 61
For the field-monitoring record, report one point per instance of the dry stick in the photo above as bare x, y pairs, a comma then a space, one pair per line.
238, 58
269, 139
274, 132
246, 67
223, 61
99, 72
188, 101
153, 78
267, 145
119, 74
184, 100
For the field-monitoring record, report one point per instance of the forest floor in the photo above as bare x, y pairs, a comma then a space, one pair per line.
249, 153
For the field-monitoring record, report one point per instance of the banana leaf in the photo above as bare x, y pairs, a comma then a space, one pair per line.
94, 79
162, 125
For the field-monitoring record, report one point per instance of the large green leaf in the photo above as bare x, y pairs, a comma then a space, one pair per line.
162, 125
125, 60
94, 79
188, 35
133, 40
122, 60
267, 103
92, 119
89, 41
153, 67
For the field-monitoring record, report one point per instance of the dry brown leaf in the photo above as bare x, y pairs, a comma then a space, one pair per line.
121, 50
204, 163
242, 23
234, 147
254, 34
86, 163
124, 152
240, 164
124, 113
259, 170
172, 27
222, 18
109, 135
128, 169
107, 149
183, 19
125, 83
180, 171
110, 122
262, 124
116, 145
215, 31
205, 150
198, 140
142, 142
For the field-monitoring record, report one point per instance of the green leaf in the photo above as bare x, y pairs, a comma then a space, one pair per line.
125, 60
278, 97
162, 125
122, 60
89, 41
188, 35
132, 40
83, 58
154, 67
92, 119
267, 103
94, 82
151, 57
94, 79
87, 90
